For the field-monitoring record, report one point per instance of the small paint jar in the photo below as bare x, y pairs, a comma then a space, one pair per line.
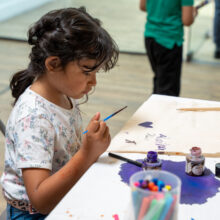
217, 169
195, 162
152, 162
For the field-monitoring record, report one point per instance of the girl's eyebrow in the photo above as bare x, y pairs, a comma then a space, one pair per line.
91, 67
87, 67
84, 67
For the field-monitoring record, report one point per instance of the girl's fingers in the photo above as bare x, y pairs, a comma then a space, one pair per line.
94, 126
98, 127
94, 123
96, 117
106, 134
109, 138
103, 128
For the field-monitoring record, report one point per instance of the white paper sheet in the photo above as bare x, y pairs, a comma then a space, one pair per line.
172, 131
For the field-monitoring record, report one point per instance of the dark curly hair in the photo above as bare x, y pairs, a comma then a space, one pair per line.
70, 34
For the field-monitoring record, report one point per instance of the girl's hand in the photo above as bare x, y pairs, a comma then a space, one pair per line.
97, 139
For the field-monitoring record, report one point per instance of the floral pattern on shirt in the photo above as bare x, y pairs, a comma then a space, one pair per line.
39, 134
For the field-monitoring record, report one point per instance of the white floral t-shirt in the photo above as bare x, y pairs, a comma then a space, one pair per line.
39, 134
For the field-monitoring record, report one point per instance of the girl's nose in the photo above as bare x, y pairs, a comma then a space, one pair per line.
93, 80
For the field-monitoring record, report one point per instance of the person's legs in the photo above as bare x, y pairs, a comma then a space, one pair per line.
149, 46
169, 63
16, 214
166, 65
217, 28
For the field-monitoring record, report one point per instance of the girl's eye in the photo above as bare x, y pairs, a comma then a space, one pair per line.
86, 72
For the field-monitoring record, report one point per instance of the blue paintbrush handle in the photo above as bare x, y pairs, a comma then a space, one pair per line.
105, 119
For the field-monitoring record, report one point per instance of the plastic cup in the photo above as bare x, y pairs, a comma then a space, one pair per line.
155, 205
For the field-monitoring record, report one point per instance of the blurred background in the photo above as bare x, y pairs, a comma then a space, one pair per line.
123, 19
130, 82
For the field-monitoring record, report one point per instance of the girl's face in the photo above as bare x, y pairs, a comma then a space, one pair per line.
74, 80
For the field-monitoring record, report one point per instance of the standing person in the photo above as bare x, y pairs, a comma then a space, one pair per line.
163, 41
46, 153
217, 29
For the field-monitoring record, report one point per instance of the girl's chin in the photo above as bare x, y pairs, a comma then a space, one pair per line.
79, 96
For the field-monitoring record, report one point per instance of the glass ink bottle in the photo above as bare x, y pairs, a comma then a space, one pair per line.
152, 162
195, 162
217, 169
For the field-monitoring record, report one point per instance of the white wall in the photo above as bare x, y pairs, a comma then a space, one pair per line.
11, 8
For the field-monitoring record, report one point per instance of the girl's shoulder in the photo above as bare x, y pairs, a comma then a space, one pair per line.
31, 104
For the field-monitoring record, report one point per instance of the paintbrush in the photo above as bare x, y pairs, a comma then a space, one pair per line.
200, 109
105, 119
203, 3
136, 163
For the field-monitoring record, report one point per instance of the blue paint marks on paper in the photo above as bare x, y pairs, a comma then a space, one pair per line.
146, 124
162, 136
130, 141
149, 136
194, 190
160, 142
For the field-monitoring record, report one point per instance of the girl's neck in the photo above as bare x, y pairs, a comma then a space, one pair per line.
51, 94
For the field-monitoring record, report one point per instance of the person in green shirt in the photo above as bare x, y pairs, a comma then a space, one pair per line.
163, 41
216, 29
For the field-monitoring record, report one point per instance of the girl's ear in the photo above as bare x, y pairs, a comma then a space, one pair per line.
52, 63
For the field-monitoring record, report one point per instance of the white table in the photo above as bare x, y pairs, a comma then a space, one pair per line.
100, 193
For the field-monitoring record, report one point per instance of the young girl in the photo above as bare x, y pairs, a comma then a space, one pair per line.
46, 153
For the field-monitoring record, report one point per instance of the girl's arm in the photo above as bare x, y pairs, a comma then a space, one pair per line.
188, 15
45, 190
142, 5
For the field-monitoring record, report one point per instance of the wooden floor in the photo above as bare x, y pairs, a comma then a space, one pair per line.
129, 83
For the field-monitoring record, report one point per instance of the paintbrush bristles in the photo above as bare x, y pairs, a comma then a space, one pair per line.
119, 111
200, 109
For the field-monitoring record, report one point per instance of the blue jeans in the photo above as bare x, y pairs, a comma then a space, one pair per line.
16, 214
217, 25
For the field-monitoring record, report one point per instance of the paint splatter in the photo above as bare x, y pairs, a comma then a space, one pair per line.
130, 141
161, 147
149, 136
194, 190
162, 136
146, 124
159, 142
116, 217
